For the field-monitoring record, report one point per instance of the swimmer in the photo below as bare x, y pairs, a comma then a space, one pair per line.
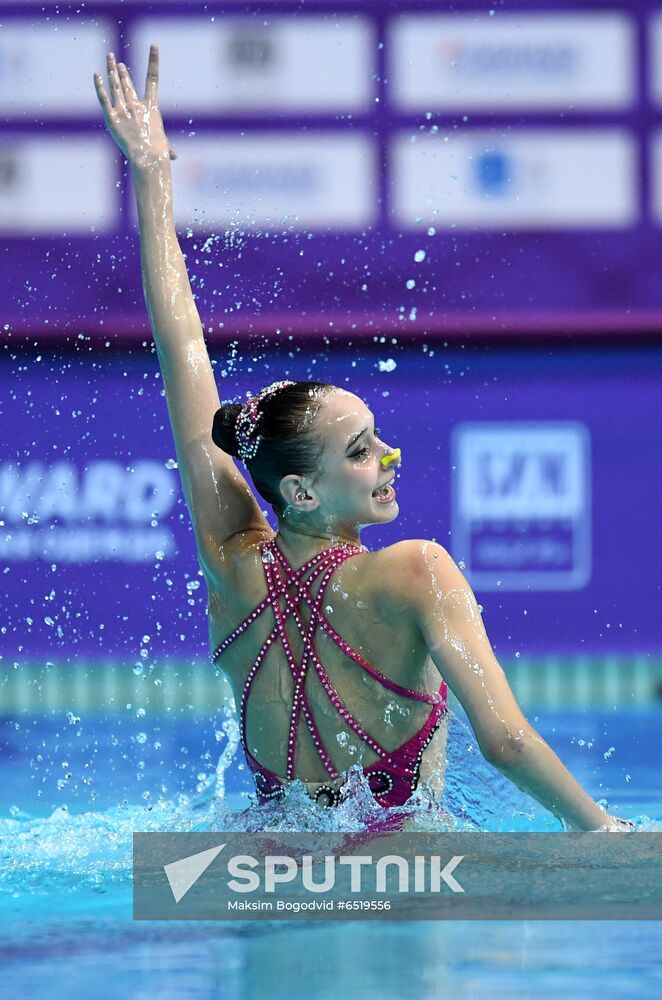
336, 655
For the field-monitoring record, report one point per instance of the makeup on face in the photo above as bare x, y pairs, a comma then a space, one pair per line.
364, 444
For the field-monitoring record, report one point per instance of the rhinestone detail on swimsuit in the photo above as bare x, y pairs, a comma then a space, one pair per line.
404, 763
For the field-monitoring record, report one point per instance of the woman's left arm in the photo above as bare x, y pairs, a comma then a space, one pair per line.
219, 499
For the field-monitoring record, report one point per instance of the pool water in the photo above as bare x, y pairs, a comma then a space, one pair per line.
73, 790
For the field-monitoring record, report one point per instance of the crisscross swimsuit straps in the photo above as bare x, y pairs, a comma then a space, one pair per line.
394, 776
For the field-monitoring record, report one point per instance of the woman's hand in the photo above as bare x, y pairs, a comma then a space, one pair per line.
135, 125
614, 824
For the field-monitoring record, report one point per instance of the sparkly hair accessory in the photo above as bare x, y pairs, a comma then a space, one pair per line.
248, 419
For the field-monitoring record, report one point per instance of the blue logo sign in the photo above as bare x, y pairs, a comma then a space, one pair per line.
493, 172
521, 504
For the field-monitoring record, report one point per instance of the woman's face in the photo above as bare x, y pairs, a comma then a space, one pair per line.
350, 468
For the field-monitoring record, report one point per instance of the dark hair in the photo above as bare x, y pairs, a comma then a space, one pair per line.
287, 445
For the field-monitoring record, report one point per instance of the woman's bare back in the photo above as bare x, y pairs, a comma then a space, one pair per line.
365, 604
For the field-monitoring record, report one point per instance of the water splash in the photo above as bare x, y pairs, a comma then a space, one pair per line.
74, 853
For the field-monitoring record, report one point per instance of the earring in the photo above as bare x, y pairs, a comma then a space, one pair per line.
300, 495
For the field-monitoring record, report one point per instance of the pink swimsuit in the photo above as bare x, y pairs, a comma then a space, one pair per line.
394, 776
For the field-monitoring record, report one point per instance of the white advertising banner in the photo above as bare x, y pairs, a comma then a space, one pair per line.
656, 175
47, 67
60, 185
567, 60
257, 65
503, 178
276, 181
655, 55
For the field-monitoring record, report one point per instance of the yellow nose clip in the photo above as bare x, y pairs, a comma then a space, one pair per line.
389, 459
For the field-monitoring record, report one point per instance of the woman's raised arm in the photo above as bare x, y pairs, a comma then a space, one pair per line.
450, 620
220, 500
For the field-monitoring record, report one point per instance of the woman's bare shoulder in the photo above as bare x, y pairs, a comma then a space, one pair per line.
399, 571
410, 555
392, 572
237, 555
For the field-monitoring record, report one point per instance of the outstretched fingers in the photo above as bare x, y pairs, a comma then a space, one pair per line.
104, 100
128, 89
152, 81
115, 85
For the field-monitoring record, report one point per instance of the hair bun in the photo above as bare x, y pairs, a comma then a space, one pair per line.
224, 428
